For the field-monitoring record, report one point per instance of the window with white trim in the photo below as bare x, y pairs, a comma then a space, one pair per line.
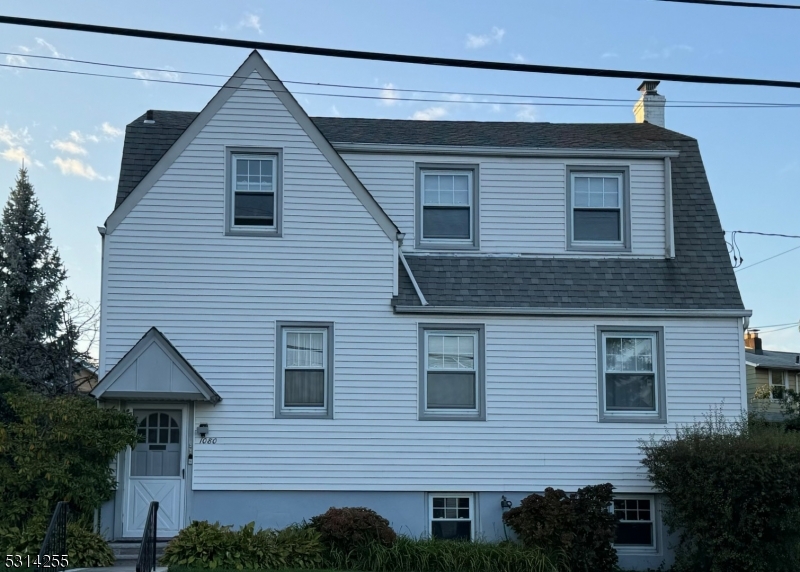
304, 367
447, 208
452, 516
636, 527
254, 192
631, 374
451, 372
778, 383
598, 205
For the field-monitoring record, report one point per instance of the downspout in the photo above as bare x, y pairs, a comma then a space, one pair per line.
420, 295
668, 222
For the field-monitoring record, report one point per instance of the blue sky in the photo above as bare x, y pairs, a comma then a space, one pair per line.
68, 127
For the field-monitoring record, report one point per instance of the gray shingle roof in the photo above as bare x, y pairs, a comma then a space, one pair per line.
774, 360
700, 277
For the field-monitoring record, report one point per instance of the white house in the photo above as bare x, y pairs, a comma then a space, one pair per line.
417, 317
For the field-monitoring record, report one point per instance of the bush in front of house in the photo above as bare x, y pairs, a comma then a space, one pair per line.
210, 546
578, 525
432, 555
347, 529
87, 549
733, 492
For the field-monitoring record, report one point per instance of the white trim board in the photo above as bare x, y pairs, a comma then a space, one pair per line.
256, 63
343, 147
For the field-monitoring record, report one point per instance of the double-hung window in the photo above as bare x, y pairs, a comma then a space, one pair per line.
636, 525
451, 372
598, 213
631, 374
447, 207
304, 386
451, 516
778, 382
253, 194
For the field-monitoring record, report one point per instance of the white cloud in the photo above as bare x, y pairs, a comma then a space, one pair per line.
526, 113
666, 52
457, 97
483, 40
70, 147
24, 49
16, 155
429, 114
606, 55
389, 95
16, 60
519, 58
251, 21
335, 112
222, 27
78, 168
11, 137
496, 108
166, 75
110, 131
79, 137
51, 48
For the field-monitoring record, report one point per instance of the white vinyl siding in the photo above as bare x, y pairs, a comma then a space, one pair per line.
522, 200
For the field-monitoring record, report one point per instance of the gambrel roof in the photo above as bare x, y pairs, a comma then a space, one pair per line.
698, 278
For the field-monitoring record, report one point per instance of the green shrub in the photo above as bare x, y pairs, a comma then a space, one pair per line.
54, 449
346, 529
87, 549
578, 525
204, 545
733, 492
431, 555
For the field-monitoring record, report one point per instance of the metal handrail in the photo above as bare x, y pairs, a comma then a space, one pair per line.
53, 553
147, 552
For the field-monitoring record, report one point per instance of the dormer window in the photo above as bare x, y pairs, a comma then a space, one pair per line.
598, 216
253, 192
447, 207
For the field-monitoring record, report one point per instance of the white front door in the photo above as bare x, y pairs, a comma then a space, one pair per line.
156, 472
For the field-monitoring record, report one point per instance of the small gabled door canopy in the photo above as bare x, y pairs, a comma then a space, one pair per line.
154, 369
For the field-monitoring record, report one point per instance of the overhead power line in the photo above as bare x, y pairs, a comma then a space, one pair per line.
767, 259
381, 98
771, 326
392, 88
763, 233
736, 4
399, 58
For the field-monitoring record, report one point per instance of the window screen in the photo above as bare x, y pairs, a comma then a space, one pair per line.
254, 184
597, 208
447, 208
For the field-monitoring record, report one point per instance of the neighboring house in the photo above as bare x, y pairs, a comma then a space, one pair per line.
84, 376
777, 371
417, 317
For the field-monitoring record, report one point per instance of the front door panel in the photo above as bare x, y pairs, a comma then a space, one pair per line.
156, 472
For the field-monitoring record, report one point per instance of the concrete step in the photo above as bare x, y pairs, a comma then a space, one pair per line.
126, 553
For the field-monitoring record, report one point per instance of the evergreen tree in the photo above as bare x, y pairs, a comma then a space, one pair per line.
37, 338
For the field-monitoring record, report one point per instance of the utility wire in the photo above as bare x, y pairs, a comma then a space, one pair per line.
392, 88
377, 97
771, 326
399, 58
763, 233
767, 259
736, 4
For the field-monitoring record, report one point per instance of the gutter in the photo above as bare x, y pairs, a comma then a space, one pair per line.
577, 312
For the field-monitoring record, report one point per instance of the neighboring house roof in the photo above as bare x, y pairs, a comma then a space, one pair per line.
700, 276
773, 360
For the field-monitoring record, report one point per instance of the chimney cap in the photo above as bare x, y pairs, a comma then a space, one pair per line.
149, 117
648, 87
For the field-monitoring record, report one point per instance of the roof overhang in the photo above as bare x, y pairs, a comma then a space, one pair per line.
345, 147
154, 370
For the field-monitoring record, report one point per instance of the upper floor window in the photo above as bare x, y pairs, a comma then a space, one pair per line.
447, 211
599, 212
631, 372
253, 193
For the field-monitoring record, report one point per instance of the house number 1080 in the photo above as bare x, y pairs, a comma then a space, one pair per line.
208, 440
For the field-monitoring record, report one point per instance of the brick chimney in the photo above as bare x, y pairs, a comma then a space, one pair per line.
752, 341
650, 107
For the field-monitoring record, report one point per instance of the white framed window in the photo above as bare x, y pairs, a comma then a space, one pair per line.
451, 372
447, 213
304, 361
631, 374
598, 214
451, 516
636, 522
253, 203
778, 383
